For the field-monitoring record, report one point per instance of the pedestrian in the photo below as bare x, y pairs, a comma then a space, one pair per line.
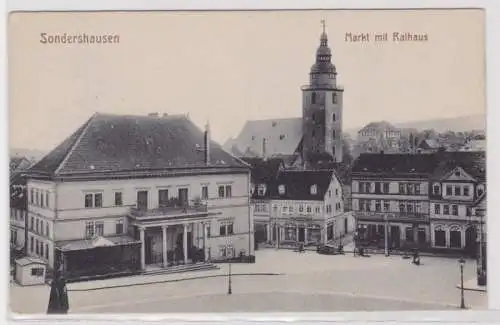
416, 257
58, 299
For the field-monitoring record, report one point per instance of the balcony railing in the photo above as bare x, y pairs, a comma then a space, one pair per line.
392, 216
170, 210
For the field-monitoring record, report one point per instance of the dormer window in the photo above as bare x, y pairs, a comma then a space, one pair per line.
314, 189
261, 189
281, 189
436, 189
457, 173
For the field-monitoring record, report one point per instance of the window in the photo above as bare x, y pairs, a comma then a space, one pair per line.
436, 189
281, 189
301, 208
417, 188
98, 200
47, 251
119, 227
47, 199
118, 199
31, 244
308, 209
468, 211
37, 271
409, 188
328, 208
41, 249
402, 188
334, 101
37, 198
334, 118
313, 98
89, 229
41, 227
377, 187
466, 191
336, 192
317, 210
386, 187
458, 191
222, 230
333, 134
230, 229
162, 198
329, 193
386, 206
204, 192
454, 210
221, 191
314, 189
32, 221
446, 209
228, 191
37, 224
32, 196
99, 228
88, 200
480, 190
378, 206
37, 247
455, 239
208, 231
42, 199
437, 208
409, 208
439, 238
449, 190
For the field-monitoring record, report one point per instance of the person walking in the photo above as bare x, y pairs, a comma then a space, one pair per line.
58, 299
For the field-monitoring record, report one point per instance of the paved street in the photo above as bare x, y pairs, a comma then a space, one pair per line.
304, 282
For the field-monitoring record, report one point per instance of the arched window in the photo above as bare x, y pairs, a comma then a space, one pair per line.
334, 98
313, 98
334, 118
333, 133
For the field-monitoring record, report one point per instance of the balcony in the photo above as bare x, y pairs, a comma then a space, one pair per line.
392, 216
172, 210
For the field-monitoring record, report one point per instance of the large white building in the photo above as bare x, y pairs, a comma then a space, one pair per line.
126, 192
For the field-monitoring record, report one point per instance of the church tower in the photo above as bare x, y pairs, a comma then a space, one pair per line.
322, 107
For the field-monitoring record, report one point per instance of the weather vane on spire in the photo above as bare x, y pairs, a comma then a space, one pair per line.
324, 24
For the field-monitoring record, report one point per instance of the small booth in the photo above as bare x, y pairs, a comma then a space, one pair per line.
30, 271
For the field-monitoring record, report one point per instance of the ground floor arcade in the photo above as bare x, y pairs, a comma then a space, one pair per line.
399, 234
455, 235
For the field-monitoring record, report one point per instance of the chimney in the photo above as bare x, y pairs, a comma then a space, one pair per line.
264, 148
153, 114
207, 144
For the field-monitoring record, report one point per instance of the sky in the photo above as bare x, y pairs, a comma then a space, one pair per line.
230, 67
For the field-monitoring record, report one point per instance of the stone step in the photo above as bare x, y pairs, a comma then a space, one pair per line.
182, 268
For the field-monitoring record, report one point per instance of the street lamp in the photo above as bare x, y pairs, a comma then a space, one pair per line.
461, 262
386, 235
229, 287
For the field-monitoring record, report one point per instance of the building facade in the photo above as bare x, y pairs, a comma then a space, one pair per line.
301, 206
126, 192
425, 200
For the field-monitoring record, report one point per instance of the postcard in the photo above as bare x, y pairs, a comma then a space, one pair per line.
247, 161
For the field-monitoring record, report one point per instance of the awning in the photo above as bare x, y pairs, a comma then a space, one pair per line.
100, 241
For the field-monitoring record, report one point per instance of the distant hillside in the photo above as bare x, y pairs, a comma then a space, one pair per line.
461, 123
29, 153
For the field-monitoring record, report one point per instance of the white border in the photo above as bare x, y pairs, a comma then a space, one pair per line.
493, 107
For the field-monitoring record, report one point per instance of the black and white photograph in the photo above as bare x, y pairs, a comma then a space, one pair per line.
247, 161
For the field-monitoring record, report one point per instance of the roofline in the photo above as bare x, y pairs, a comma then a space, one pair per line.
133, 174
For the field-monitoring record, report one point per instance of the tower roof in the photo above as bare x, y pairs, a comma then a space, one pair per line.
323, 62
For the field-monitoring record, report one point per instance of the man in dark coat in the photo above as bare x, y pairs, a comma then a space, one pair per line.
58, 300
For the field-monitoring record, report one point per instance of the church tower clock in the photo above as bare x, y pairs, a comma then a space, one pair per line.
322, 107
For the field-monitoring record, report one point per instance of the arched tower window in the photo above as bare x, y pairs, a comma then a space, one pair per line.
334, 98
334, 118
313, 98
333, 133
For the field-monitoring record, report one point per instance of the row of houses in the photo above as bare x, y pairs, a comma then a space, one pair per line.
433, 200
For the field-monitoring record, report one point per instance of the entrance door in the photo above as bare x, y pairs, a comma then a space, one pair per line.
148, 249
302, 237
421, 236
395, 237
142, 200
471, 240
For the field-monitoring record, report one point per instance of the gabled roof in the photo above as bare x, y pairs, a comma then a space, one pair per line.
388, 163
264, 171
429, 144
472, 162
282, 137
298, 184
124, 143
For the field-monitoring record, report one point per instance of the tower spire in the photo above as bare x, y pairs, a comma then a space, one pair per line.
323, 23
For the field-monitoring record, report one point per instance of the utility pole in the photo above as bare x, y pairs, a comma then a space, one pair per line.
386, 235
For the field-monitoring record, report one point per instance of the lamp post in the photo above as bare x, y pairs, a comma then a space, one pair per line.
229, 274
461, 262
386, 235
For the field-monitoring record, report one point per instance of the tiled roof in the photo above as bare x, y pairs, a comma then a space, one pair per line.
114, 143
263, 171
73, 245
298, 184
282, 137
382, 125
473, 162
394, 163
429, 144
435, 165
